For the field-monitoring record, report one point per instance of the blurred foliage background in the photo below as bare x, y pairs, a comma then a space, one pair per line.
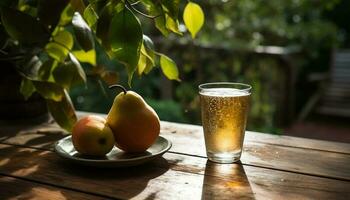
251, 41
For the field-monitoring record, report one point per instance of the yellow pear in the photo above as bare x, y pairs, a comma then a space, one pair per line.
134, 123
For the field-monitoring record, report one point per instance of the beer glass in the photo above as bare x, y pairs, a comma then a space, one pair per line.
224, 109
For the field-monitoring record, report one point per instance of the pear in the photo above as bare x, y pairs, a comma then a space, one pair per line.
92, 136
134, 123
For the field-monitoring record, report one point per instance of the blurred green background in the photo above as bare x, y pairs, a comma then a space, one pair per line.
259, 42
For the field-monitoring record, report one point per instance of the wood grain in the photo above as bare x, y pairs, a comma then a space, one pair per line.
196, 132
192, 131
13, 188
189, 130
281, 157
175, 177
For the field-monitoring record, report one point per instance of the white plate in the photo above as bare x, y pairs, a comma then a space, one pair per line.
115, 158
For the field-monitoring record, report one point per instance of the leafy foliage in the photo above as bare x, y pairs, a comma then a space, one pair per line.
169, 67
126, 39
225, 51
228, 50
47, 40
63, 111
193, 18
83, 32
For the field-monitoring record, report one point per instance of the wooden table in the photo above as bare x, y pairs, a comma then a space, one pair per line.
272, 167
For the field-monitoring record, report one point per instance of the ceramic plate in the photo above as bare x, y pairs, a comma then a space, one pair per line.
115, 158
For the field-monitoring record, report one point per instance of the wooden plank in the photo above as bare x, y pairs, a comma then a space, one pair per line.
46, 134
161, 181
196, 132
300, 160
175, 177
282, 156
180, 132
13, 188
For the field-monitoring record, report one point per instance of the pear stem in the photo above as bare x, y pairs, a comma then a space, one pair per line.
118, 86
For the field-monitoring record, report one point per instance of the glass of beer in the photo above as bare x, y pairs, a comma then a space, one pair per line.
224, 108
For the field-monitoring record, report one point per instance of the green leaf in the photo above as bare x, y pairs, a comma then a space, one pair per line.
141, 65
172, 24
23, 27
66, 15
156, 9
60, 46
160, 22
49, 90
145, 64
49, 12
45, 71
88, 57
30, 67
104, 22
65, 39
56, 51
79, 70
148, 52
27, 88
83, 32
193, 17
69, 73
90, 15
148, 68
98, 5
169, 68
126, 39
171, 7
161, 25
63, 111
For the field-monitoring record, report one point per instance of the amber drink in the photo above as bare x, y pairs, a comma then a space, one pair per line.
224, 108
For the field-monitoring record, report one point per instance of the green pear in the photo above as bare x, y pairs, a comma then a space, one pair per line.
134, 123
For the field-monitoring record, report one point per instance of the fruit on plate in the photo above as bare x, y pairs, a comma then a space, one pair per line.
92, 136
134, 123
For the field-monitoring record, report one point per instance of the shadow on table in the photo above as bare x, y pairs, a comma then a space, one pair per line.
14, 163
116, 181
42, 135
46, 167
226, 181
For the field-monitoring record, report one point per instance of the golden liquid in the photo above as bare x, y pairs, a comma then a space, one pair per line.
224, 116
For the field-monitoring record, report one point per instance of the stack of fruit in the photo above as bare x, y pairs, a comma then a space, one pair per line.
132, 125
